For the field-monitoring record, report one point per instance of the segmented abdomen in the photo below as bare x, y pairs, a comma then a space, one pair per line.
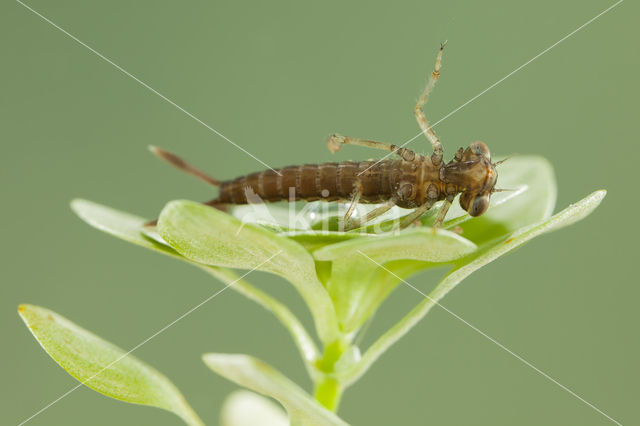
310, 182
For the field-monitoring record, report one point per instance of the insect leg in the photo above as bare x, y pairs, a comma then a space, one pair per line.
357, 192
352, 224
411, 217
442, 213
436, 158
335, 142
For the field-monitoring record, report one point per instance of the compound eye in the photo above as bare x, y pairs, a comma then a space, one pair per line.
480, 148
480, 205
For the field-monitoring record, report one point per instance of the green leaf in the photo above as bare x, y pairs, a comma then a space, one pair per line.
260, 377
358, 286
117, 223
244, 408
130, 228
314, 240
535, 193
211, 237
102, 366
275, 217
418, 243
464, 268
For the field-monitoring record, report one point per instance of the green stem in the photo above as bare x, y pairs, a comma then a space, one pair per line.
328, 393
328, 390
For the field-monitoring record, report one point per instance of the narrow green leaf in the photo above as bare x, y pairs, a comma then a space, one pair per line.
244, 408
568, 216
102, 366
130, 228
260, 377
211, 237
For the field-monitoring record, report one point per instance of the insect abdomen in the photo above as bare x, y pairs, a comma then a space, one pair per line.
310, 182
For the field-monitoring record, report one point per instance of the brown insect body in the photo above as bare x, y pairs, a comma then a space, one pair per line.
334, 182
410, 183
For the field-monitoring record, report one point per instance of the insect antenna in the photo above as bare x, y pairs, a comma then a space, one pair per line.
503, 190
179, 163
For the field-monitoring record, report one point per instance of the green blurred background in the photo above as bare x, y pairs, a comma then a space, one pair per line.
277, 77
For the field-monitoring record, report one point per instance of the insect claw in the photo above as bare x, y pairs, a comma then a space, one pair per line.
335, 142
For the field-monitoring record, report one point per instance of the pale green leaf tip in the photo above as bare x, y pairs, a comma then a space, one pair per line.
244, 408
76, 205
24, 309
79, 206
591, 201
595, 199
21, 308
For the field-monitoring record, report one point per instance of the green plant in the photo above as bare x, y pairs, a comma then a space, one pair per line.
343, 278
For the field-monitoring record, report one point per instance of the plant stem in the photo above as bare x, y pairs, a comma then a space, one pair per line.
328, 390
328, 393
